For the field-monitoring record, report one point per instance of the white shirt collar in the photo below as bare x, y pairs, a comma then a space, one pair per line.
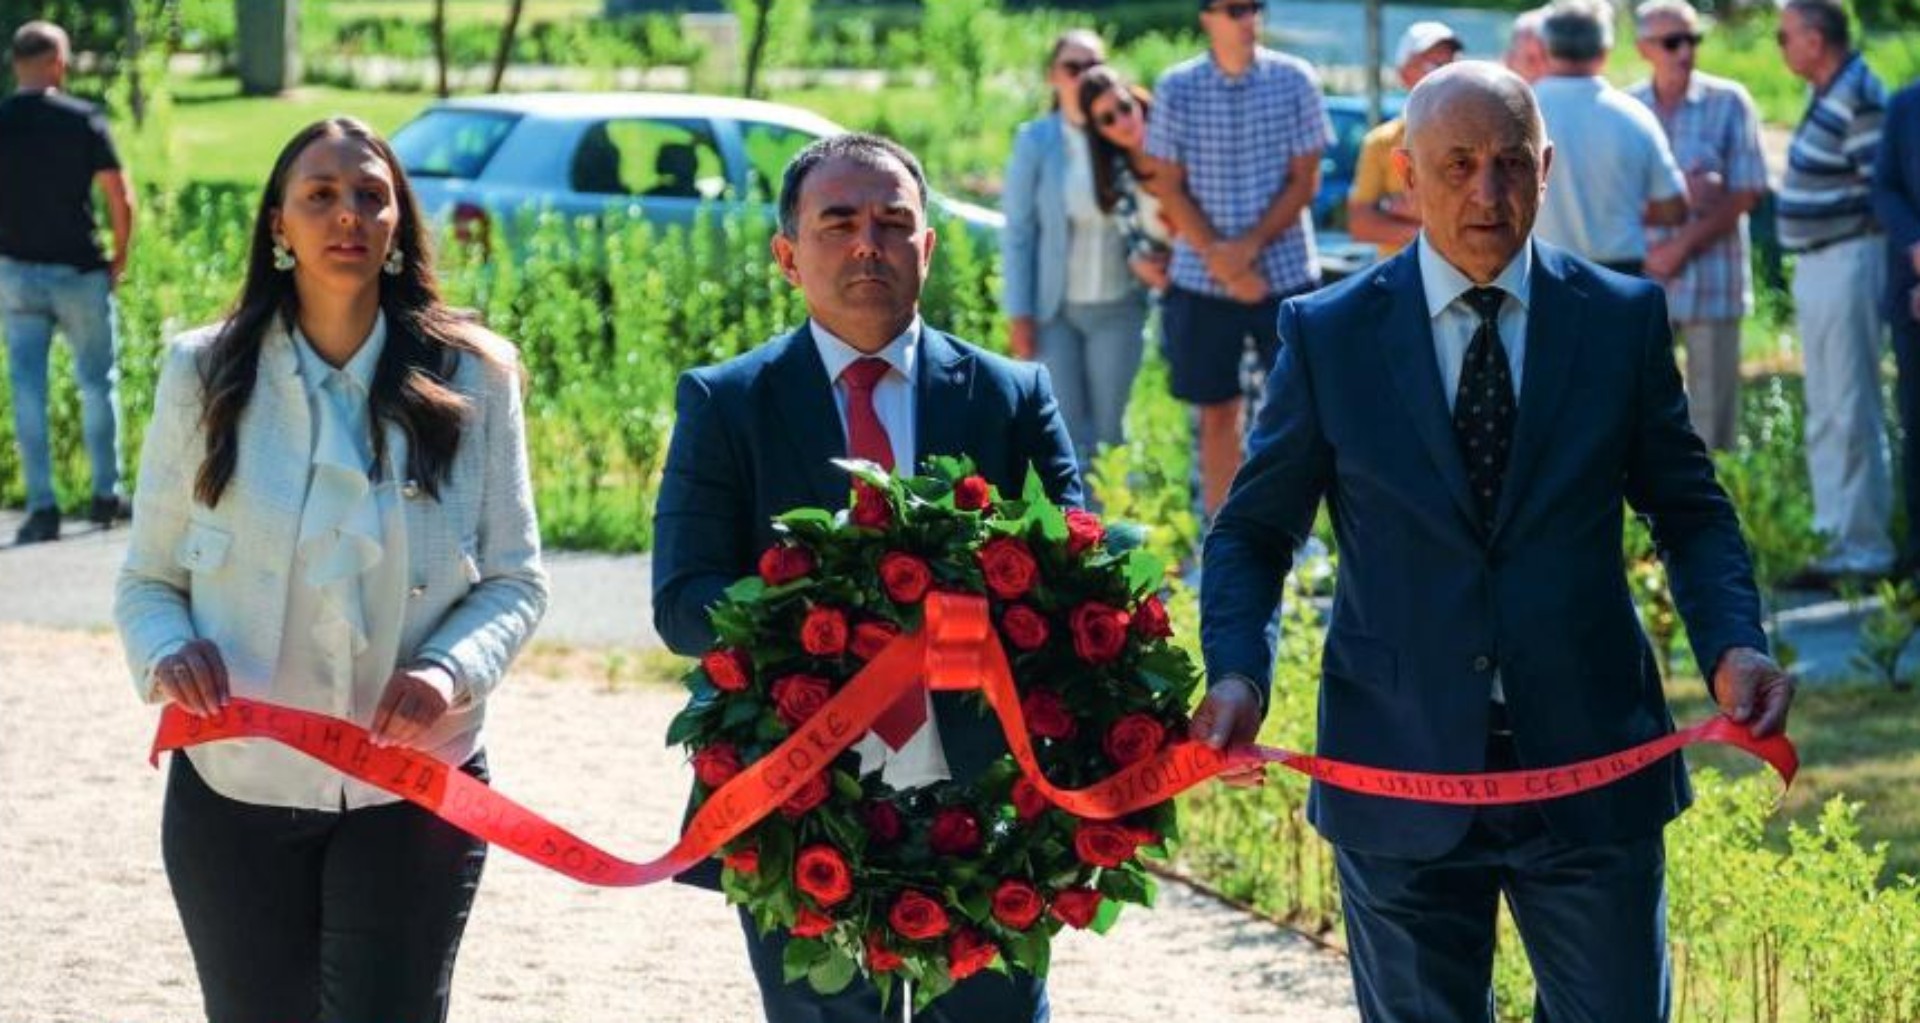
899, 353
1444, 283
359, 369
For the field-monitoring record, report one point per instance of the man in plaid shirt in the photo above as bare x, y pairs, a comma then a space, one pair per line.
1236, 137
1715, 134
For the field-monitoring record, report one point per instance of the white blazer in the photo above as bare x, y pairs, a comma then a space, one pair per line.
475, 587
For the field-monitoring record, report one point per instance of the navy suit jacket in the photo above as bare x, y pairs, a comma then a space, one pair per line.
1427, 605
753, 438
1896, 197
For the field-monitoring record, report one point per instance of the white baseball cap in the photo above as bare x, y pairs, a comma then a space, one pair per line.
1422, 36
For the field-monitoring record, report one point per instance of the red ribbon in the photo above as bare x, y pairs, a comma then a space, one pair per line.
957, 650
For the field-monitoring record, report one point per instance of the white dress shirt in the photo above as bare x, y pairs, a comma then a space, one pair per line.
1096, 253
921, 760
1454, 323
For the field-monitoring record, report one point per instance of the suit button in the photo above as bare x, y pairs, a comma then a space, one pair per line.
410, 490
417, 592
1483, 663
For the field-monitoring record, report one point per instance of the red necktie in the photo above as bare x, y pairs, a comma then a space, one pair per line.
866, 435
867, 438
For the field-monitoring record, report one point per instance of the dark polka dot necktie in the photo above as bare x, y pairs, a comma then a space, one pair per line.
1483, 407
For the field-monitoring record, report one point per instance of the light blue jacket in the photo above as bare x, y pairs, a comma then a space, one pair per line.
1034, 244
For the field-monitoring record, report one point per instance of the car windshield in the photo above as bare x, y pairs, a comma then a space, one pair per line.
451, 143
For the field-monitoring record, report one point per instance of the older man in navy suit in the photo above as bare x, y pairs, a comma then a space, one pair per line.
1477, 412
864, 377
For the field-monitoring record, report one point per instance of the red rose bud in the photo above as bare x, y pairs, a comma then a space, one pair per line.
968, 953
716, 765
1104, 843
824, 633
799, 697
955, 832
905, 577
806, 796
917, 917
784, 563
869, 638
972, 494
1026, 628
1134, 738
809, 924
1028, 801
883, 821
745, 861
820, 871
1016, 904
870, 507
1084, 531
1076, 907
726, 668
1009, 567
880, 958
1150, 620
1099, 632
1046, 715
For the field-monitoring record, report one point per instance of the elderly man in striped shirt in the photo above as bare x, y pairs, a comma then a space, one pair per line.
1826, 218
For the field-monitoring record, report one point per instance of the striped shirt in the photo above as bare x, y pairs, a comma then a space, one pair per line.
1235, 138
1713, 130
1826, 195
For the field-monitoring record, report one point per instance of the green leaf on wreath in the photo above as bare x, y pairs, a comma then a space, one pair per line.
867, 472
847, 786
1125, 885
1144, 571
950, 467
688, 723
739, 713
1124, 537
801, 956
746, 589
831, 975
806, 518
1106, 916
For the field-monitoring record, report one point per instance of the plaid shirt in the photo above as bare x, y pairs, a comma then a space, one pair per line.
1714, 129
1234, 137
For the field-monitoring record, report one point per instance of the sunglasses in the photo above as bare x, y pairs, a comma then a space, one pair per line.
1674, 42
1239, 11
1123, 108
1077, 68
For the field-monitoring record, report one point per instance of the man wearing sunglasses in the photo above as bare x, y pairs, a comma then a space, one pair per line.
1715, 134
1235, 143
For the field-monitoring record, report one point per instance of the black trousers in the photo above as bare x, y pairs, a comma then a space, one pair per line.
310, 916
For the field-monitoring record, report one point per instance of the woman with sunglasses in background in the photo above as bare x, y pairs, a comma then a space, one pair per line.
1116, 129
1071, 301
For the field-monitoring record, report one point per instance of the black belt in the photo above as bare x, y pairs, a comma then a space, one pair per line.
1831, 242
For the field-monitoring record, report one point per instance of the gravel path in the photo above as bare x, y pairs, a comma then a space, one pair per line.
88, 931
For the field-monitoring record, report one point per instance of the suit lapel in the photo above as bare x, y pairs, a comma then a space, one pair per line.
803, 398
944, 381
1414, 366
1553, 329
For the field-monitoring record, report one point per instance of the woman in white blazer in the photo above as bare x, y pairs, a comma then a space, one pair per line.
333, 513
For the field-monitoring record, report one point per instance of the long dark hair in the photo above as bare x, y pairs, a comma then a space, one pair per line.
425, 338
1097, 82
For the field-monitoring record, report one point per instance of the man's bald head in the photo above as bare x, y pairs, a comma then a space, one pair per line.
1485, 86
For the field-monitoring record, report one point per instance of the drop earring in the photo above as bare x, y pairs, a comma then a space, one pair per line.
396, 261
282, 256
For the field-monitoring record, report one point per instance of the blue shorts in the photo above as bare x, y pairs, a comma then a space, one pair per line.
1205, 341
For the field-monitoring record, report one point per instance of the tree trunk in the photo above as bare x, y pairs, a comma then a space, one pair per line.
505, 52
136, 98
440, 46
757, 49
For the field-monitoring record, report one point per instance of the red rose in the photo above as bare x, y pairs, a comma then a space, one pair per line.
1099, 631
1084, 531
716, 765
822, 872
1104, 843
783, 563
1028, 801
1047, 715
905, 577
917, 917
809, 924
1009, 567
870, 507
1150, 619
806, 796
869, 638
972, 494
883, 822
1133, 738
745, 861
968, 953
799, 697
1016, 904
880, 958
955, 832
1076, 907
727, 668
1026, 628
824, 633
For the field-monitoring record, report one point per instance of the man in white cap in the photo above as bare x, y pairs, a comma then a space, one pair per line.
1378, 207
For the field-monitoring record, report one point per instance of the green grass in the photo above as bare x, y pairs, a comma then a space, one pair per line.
459, 12
1861, 741
220, 136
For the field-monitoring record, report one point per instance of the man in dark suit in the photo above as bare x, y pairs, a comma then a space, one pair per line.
1476, 412
1896, 202
863, 377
